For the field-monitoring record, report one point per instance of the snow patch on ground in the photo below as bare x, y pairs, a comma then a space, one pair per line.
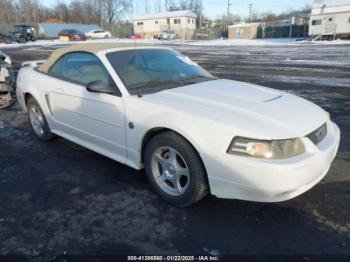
227, 42
218, 42
264, 42
58, 42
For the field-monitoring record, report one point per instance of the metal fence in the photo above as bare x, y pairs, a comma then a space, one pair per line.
208, 33
5, 28
295, 31
120, 30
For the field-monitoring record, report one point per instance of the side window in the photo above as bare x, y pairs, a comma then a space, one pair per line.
55, 70
316, 22
83, 68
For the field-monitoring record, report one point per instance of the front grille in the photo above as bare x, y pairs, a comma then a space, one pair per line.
318, 135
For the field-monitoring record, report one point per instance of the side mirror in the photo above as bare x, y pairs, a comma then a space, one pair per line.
99, 87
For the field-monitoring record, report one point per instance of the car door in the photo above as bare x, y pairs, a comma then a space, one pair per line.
101, 34
96, 34
95, 120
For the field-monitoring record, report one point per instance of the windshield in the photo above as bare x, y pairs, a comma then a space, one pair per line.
21, 28
153, 70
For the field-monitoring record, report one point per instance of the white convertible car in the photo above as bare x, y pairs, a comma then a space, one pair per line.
153, 108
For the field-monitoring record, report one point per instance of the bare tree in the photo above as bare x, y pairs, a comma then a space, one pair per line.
114, 9
7, 12
172, 5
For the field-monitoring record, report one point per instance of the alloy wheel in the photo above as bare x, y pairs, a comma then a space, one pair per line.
37, 120
170, 171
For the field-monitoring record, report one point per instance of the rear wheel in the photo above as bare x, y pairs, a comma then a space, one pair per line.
175, 170
38, 121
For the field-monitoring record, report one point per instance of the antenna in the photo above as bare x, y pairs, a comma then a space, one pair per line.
132, 19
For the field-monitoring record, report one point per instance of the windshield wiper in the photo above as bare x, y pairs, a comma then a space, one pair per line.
152, 86
160, 85
196, 79
150, 83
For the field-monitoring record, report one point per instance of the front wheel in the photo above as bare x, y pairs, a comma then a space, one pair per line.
22, 40
175, 170
38, 121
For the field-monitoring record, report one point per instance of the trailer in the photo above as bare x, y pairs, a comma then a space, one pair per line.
330, 19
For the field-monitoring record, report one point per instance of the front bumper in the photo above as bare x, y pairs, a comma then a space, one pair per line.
266, 180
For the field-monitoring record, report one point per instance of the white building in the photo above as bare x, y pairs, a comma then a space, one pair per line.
150, 25
330, 18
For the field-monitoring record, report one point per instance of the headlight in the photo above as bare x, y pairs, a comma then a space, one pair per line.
274, 149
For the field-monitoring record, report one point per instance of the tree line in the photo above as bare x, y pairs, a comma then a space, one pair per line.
77, 11
103, 12
84, 11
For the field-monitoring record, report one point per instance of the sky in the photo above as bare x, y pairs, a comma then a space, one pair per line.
215, 8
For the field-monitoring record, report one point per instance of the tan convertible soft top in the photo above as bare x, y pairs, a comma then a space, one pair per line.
89, 48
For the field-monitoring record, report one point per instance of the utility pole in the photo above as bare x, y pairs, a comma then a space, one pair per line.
147, 8
200, 14
159, 7
228, 15
250, 11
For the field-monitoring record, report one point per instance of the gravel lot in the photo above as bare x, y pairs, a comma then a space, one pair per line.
59, 197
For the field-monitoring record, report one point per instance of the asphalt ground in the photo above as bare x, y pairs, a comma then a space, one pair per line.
59, 198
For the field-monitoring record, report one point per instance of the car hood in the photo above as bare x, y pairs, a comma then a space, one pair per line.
252, 110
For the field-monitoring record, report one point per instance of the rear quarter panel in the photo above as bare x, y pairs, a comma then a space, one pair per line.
31, 82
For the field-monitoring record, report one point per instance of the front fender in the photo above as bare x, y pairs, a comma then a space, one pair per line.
206, 136
189, 131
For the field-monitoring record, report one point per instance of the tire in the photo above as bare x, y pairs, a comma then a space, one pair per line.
22, 40
37, 121
179, 180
